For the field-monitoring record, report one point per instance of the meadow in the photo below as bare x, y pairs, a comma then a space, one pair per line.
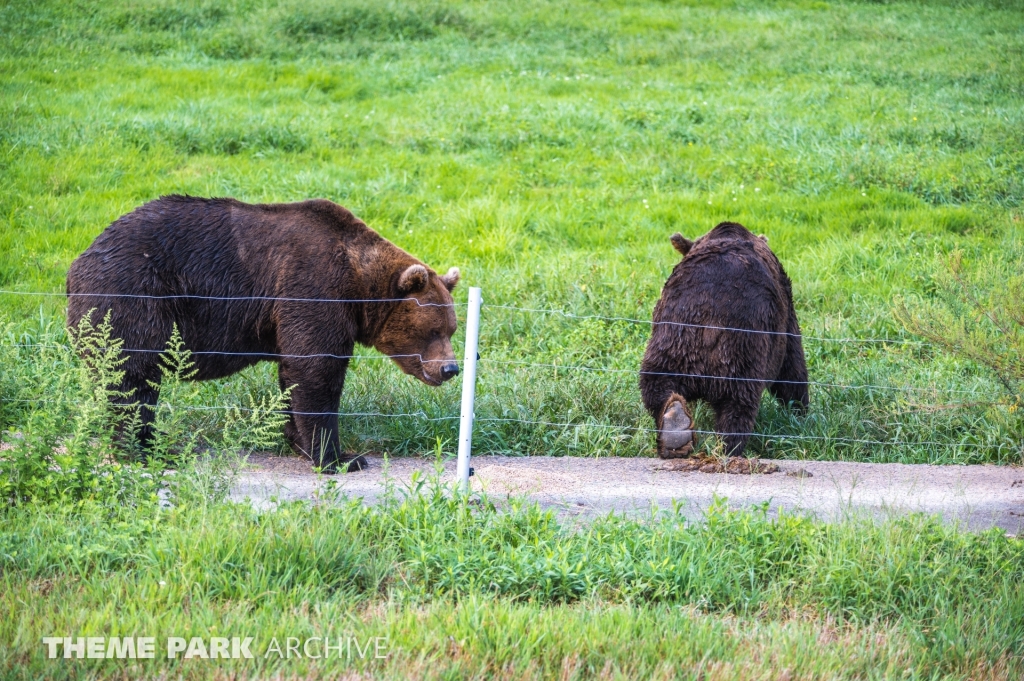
548, 150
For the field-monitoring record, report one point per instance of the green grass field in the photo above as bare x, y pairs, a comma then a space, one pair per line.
548, 150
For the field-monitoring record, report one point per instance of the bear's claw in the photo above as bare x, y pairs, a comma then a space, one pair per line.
354, 465
675, 436
357, 464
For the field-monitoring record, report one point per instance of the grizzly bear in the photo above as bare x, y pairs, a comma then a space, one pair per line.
298, 284
724, 330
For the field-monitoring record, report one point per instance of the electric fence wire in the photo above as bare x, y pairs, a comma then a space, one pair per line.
563, 313
540, 365
555, 424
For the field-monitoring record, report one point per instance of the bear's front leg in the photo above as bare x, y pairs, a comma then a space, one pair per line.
312, 429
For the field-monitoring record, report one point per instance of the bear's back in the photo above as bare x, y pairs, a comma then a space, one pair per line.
224, 272
726, 282
219, 246
153, 249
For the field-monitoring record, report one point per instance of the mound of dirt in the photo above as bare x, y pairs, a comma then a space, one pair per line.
735, 465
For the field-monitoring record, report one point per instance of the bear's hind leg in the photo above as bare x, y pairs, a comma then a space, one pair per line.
734, 422
147, 398
136, 410
675, 429
291, 430
790, 386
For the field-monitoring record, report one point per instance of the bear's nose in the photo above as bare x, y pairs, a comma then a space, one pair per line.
449, 370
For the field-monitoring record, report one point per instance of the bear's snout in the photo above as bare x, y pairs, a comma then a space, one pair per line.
449, 370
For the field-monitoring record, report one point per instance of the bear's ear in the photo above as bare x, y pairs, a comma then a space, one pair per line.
763, 238
451, 279
413, 280
682, 244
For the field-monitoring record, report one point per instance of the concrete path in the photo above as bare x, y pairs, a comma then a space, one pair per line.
978, 497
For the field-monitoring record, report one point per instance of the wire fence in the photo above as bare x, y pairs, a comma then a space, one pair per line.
488, 419
562, 313
570, 315
196, 296
551, 366
271, 355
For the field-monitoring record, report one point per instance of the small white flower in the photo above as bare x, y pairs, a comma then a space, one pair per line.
163, 583
757, 189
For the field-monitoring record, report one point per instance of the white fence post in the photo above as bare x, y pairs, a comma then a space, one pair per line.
468, 388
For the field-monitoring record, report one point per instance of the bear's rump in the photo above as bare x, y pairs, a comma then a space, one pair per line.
714, 364
721, 332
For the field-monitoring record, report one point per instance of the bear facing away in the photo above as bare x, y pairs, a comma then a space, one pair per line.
725, 312
298, 284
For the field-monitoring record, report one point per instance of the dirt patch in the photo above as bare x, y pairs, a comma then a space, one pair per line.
521, 480
734, 465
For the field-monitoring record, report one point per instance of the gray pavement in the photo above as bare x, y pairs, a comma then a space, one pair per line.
977, 497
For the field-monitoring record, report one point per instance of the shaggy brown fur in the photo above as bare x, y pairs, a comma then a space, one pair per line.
728, 279
277, 270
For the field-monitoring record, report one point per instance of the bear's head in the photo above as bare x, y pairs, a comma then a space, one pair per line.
417, 334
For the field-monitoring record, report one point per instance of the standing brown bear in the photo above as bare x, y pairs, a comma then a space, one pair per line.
296, 283
724, 330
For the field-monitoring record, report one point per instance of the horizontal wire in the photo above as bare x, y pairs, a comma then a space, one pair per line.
636, 429
242, 354
570, 367
229, 298
705, 326
186, 407
761, 435
567, 367
563, 313
415, 414
891, 341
